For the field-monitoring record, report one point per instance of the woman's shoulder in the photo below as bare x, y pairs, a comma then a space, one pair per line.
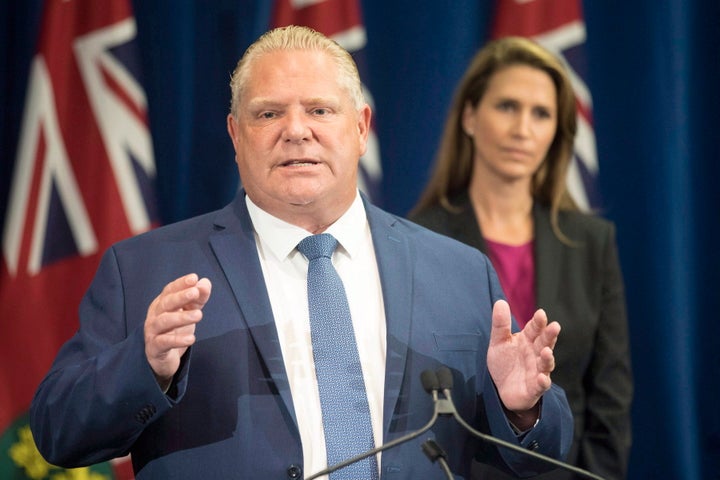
584, 228
438, 216
589, 222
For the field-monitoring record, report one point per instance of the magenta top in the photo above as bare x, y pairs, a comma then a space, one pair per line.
515, 267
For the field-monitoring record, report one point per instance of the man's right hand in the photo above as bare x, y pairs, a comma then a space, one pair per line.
170, 324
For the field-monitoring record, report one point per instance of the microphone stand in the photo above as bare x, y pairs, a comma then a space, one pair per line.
442, 381
390, 444
447, 407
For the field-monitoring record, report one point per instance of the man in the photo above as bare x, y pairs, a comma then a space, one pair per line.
219, 381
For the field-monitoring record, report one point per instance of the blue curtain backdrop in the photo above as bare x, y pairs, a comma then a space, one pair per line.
654, 72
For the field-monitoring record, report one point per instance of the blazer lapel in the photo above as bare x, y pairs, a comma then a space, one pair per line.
548, 252
464, 226
235, 249
396, 271
548, 249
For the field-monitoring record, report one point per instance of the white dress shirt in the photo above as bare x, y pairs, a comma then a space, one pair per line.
285, 270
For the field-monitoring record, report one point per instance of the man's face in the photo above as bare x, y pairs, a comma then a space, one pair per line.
298, 137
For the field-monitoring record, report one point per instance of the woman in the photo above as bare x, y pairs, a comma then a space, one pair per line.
499, 185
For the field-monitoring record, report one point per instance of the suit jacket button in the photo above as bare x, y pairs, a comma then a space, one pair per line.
294, 471
145, 413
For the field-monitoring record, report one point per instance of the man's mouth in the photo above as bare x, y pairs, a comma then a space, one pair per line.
299, 163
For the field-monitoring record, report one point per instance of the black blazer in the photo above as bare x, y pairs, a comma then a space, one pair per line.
580, 287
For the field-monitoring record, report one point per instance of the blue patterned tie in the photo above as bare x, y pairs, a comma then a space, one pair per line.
343, 399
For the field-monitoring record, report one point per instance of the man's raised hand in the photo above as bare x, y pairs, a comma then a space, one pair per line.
170, 324
520, 364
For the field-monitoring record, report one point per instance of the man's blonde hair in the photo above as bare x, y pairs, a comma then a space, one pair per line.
295, 37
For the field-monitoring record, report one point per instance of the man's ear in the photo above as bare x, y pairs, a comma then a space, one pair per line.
364, 118
232, 128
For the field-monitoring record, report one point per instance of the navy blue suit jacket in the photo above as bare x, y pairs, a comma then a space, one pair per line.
230, 412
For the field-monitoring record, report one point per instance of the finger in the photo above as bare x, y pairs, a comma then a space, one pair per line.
204, 287
182, 293
545, 365
544, 383
175, 286
177, 338
160, 343
169, 321
501, 321
546, 361
549, 335
177, 320
534, 328
181, 283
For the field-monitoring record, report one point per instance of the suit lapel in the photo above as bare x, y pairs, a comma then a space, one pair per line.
236, 252
396, 274
235, 249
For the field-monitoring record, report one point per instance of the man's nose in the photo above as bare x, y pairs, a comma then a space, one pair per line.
296, 127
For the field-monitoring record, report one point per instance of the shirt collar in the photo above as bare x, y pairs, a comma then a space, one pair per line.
282, 237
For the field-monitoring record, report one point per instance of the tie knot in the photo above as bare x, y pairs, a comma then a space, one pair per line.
315, 246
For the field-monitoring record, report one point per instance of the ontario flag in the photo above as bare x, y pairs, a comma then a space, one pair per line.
83, 179
558, 25
340, 20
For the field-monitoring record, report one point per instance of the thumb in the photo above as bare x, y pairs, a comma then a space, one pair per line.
205, 287
501, 322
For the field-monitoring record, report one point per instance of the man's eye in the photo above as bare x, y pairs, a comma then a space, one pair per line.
267, 115
321, 111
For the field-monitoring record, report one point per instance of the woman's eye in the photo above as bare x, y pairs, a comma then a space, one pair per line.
506, 106
542, 113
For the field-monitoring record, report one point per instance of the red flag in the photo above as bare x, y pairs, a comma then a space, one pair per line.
559, 26
340, 20
83, 179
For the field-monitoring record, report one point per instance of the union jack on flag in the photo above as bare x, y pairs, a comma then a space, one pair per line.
340, 20
83, 179
558, 25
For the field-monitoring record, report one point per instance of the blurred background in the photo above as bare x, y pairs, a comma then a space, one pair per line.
651, 69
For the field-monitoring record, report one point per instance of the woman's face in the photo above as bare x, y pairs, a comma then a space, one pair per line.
514, 123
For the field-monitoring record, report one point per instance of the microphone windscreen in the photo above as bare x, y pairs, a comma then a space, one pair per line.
444, 376
429, 381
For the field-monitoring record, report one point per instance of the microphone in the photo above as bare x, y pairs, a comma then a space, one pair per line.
445, 382
430, 383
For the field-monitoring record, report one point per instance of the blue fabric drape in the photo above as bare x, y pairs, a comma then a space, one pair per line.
653, 70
